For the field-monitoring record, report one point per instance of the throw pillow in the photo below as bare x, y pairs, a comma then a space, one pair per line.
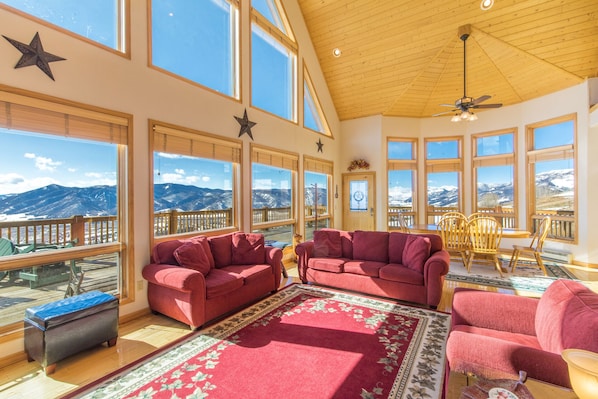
248, 249
416, 252
327, 244
192, 256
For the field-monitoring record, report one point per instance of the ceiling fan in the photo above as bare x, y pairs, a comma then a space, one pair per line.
465, 104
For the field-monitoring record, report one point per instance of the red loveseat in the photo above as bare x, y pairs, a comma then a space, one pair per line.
408, 267
199, 279
495, 335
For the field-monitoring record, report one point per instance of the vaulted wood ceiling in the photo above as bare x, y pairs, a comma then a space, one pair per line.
404, 58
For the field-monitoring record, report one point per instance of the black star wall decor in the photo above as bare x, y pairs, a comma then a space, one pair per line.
246, 125
320, 146
34, 54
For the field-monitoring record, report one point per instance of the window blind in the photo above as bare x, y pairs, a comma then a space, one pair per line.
30, 114
275, 158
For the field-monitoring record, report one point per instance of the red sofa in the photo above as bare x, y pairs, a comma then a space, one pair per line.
202, 278
409, 267
495, 335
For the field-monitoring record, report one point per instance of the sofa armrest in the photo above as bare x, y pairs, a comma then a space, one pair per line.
304, 251
494, 310
174, 277
274, 258
436, 266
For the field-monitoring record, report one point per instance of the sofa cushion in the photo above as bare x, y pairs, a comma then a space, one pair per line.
253, 272
364, 267
203, 240
192, 255
221, 282
396, 243
347, 243
567, 317
370, 245
327, 243
401, 274
333, 265
248, 248
221, 247
416, 252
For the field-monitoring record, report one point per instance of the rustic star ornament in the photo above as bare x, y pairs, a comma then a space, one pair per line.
246, 125
320, 146
34, 54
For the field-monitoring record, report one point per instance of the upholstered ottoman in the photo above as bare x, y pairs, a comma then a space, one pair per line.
62, 328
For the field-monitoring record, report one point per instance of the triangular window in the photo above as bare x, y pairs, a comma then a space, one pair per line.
313, 116
272, 11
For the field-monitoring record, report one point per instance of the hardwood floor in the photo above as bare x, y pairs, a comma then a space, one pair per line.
144, 335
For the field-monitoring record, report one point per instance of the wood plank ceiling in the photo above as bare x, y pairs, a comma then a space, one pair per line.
404, 58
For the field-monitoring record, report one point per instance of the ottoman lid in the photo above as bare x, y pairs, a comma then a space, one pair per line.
68, 309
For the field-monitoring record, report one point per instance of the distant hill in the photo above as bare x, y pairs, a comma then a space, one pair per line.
56, 201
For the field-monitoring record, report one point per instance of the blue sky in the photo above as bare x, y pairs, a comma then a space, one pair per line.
31, 164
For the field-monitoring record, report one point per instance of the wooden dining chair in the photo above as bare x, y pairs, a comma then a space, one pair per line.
534, 249
453, 230
403, 226
485, 233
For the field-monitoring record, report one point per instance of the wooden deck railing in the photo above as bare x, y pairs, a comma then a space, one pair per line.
88, 230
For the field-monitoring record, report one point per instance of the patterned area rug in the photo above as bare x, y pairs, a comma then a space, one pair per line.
302, 342
527, 276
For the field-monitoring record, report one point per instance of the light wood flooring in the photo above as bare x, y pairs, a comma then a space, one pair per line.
145, 334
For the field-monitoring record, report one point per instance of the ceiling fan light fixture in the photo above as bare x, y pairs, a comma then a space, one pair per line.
456, 118
464, 115
485, 5
472, 117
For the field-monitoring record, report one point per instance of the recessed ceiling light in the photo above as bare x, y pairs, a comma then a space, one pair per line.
336, 52
486, 4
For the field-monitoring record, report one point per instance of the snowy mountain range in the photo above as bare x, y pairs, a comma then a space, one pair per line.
56, 201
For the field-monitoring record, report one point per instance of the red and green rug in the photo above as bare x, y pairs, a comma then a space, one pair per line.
302, 342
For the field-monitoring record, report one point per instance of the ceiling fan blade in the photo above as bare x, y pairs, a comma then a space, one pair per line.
447, 105
480, 99
445, 113
487, 106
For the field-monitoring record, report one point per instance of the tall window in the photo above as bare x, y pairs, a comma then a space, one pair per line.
273, 60
444, 169
551, 176
63, 202
402, 176
99, 21
195, 179
198, 40
273, 183
317, 194
494, 176
313, 115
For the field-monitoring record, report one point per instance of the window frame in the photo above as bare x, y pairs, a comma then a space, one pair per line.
442, 165
235, 56
283, 39
325, 167
280, 159
45, 105
161, 128
560, 152
402, 165
123, 30
317, 106
508, 220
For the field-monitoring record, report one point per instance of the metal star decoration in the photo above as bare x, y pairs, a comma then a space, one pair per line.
246, 125
34, 54
320, 146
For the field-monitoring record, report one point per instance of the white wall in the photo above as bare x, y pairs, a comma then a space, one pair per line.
100, 78
359, 141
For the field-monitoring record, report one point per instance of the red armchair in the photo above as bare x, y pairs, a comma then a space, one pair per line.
495, 335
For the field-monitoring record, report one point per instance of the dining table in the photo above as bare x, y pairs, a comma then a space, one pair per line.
506, 232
